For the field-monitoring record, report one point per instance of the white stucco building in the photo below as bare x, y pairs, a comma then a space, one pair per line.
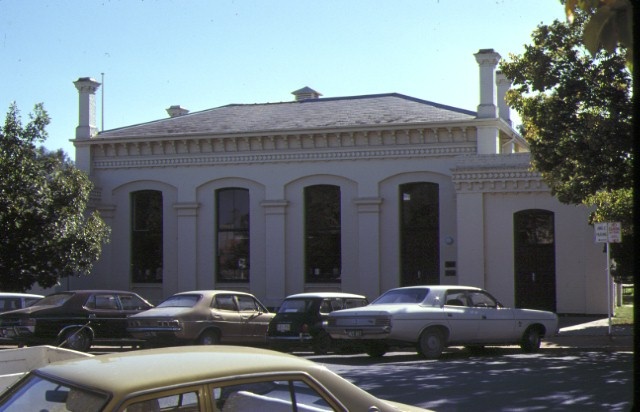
359, 194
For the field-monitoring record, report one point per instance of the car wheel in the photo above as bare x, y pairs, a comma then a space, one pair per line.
431, 343
77, 339
531, 340
322, 343
209, 337
376, 349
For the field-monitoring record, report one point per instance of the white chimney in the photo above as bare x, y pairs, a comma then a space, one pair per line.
87, 107
487, 60
176, 111
504, 84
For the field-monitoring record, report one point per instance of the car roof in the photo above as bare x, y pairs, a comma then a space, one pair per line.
90, 291
211, 292
19, 295
325, 295
438, 287
127, 372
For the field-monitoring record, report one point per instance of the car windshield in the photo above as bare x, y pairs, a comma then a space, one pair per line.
39, 394
180, 301
54, 300
295, 306
402, 296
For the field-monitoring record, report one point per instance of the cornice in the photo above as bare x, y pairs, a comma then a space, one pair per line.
496, 173
189, 159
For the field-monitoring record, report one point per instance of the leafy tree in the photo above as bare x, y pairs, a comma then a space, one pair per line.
576, 112
44, 232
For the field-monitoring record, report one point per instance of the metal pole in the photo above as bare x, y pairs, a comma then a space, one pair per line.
609, 286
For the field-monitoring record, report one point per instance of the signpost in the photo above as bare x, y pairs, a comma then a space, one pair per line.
608, 232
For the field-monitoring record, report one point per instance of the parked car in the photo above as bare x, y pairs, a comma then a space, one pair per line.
299, 322
434, 317
12, 301
205, 317
75, 319
192, 378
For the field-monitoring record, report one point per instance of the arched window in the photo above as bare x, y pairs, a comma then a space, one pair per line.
232, 226
419, 234
146, 236
323, 246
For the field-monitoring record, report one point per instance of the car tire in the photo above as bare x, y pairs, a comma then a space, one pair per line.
322, 343
77, 339
531, 340
209, 337
376, 349
431, 343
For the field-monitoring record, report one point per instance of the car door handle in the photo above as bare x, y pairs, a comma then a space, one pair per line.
484, 317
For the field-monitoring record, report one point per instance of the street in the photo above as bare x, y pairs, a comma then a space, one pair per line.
501, 379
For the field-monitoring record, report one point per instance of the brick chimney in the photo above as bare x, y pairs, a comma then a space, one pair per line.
87, 107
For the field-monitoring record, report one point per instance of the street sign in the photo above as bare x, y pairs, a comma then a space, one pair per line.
615, 232
608, 232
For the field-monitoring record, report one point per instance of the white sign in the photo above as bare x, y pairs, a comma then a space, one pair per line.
602, 232
608, 232
615, 232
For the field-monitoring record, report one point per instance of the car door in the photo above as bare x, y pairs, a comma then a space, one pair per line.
226, 317
496, 324
107, 318
462, 321
255, 318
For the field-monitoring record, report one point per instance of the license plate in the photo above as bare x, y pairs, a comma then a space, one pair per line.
283, 327
355, 333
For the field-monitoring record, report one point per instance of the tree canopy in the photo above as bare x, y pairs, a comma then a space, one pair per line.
45, 233
576, 111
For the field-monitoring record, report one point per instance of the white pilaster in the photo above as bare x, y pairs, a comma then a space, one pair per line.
275, 224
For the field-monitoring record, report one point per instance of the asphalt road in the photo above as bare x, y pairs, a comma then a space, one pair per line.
500, 379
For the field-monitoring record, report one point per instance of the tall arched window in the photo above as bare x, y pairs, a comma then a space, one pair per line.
323, 246
146, 236
419, 234
232, 221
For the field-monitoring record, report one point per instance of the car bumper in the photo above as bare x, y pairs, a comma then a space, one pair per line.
301, 338
382, 332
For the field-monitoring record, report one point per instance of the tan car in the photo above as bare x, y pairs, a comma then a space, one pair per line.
193, 378
205, 317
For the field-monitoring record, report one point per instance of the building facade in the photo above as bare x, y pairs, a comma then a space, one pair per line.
356, 194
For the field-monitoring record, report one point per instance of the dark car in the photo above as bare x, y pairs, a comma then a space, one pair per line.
205, 317
299, 322
74, 319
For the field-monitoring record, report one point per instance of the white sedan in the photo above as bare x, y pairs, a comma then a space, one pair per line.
431, 318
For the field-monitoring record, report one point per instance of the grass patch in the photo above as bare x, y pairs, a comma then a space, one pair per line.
623, 315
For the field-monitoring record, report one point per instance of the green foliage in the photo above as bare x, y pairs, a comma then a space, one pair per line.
44, 232
576, 112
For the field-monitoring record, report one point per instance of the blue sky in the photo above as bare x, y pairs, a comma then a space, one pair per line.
203, 54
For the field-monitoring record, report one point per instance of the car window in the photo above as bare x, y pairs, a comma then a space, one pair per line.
295, 306
482, 300
247, 303
225, 302
9, 304
180, 301
102, 302
132, 302
30, 301
270, 395
188, 401
39, 394
354, 303
401, 296
456, 298
55, 300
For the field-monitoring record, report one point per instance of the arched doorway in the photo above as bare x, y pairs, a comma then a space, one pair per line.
419, 234
534, 259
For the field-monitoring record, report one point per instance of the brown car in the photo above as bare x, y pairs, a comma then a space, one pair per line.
205, 317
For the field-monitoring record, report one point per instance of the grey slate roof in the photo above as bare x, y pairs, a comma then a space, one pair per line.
324, 113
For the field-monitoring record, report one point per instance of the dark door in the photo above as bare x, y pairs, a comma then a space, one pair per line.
419, 234
535, 259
